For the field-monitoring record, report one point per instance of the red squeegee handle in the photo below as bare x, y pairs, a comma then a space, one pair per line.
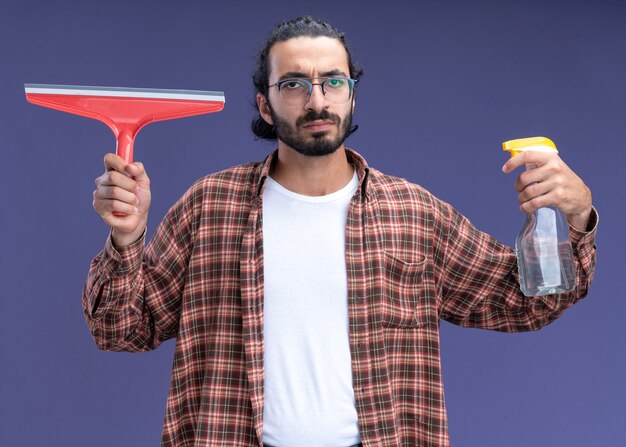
124, 149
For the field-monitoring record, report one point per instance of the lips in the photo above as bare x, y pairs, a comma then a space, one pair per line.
319, 125
315, 121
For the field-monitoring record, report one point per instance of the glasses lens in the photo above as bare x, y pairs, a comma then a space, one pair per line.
337, 90
296, 92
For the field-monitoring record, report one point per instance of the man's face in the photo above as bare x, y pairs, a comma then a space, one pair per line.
317, 127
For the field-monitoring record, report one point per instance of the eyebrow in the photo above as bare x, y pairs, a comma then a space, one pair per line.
326, 74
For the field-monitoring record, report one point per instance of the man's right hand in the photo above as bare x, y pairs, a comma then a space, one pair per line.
123, 188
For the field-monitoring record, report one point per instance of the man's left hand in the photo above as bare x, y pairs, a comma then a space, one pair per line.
551, 183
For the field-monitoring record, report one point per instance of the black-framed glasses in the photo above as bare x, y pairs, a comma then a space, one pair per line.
297, 91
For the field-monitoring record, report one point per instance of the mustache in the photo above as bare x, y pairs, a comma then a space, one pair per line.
314, 115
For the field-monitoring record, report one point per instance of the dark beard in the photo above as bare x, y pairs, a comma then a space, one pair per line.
321, 144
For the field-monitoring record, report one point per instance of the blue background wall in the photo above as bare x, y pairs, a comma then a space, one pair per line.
445, 83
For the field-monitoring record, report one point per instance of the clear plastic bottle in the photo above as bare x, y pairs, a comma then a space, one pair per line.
544, 250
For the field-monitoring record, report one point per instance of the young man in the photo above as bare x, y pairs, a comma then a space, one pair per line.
305, 291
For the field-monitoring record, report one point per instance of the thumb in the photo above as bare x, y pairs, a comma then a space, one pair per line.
138, 173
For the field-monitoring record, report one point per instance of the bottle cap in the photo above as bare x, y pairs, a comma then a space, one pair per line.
539, 144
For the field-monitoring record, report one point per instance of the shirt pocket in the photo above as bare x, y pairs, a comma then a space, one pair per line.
402, 292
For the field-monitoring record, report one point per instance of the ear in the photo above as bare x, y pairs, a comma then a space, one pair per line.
264, 110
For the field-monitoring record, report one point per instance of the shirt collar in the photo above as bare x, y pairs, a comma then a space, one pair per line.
354, 158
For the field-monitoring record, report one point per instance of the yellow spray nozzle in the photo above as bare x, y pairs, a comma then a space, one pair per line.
541, 144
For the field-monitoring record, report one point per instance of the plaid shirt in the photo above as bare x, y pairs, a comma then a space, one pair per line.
411, 260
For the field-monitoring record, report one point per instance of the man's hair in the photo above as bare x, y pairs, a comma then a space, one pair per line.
305, 26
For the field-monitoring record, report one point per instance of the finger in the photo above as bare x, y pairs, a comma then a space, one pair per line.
115, 178
532, 191
537, 202
113, 162
138, 172
107, 207
540, 158
530, 206
514, 162
116, 193
529, 177
549, 193
530, 157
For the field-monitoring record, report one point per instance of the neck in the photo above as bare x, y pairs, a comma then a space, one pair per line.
311, 176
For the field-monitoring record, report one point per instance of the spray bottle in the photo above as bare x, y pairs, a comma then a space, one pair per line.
544, 250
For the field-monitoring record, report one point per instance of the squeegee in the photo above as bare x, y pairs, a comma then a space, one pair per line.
124, 110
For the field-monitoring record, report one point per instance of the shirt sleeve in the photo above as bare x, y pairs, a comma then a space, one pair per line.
132, 296
479, 279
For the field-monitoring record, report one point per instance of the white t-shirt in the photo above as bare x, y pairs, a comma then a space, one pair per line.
309, 399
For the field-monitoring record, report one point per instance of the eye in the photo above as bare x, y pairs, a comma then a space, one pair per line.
335, 82
293, 85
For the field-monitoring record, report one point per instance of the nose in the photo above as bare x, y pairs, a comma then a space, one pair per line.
316, 100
